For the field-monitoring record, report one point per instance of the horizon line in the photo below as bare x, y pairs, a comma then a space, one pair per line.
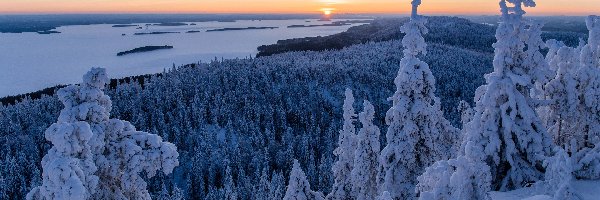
279, 13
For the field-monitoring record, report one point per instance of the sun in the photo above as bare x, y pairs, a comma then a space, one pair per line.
327, 11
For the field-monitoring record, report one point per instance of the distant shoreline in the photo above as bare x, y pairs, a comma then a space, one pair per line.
44, 23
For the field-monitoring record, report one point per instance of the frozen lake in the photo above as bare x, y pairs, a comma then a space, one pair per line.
31, 61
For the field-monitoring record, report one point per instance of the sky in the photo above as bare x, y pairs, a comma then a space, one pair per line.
434, 7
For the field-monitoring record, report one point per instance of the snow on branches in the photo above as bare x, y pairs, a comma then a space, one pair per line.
298, 187
506, 132
364, 173
418, 134
95, 157
342, 186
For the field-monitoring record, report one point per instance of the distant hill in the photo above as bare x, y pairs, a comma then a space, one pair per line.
465, 34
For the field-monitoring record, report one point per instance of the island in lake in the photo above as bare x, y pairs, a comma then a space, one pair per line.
144, 49
47, 32
154, 33
238, 29
171, 24
123, 25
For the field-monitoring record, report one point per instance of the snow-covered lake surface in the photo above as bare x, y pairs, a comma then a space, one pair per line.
31, 61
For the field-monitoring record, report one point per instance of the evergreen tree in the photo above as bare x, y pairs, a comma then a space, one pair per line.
96, 157
298, 187
456, 178
364, 172
506, 132
418, 134
342, 186
229, 186
561, 117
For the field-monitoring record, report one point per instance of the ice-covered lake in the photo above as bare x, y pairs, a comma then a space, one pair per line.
31, 61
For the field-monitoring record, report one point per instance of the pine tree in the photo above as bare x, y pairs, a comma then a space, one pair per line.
364, 172
506, 132
418, 135
342, 186
298, 187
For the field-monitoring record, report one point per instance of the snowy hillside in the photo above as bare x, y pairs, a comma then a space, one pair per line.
416, 118
290, 102
584, 190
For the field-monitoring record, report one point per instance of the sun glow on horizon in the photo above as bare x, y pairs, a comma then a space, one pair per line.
326, 7
327, 11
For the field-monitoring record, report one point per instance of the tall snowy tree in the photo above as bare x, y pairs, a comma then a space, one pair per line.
418, 135
342, 186
298, 187
585, 148
573, 117
535, 64
588, 79
97, 157
364, 173
506, 132
561, 117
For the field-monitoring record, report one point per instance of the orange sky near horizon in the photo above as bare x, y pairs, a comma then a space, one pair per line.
434, 7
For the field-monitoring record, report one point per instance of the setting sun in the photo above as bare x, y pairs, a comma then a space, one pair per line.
327, 11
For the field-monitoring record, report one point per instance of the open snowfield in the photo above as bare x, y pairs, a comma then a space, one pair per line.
32, 61
585, 190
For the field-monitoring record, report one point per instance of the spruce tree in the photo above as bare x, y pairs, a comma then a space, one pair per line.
96, 157
364, 173
342, 186
418, 135
506, 133
298, 187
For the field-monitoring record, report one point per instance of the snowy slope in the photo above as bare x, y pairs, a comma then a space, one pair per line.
587, 190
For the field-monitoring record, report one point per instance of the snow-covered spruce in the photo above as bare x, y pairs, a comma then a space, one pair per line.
535, 64
457, 178
342, 186
95, 157
68, 168
298, 187
385, 196
364, 173
588, 80
561, 116
418, 134
573, 118
590, 54
559, 175
506, 133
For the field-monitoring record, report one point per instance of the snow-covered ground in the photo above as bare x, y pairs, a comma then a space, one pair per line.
586, 190
30, 61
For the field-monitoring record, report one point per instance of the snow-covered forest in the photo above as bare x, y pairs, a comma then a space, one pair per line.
419, 118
